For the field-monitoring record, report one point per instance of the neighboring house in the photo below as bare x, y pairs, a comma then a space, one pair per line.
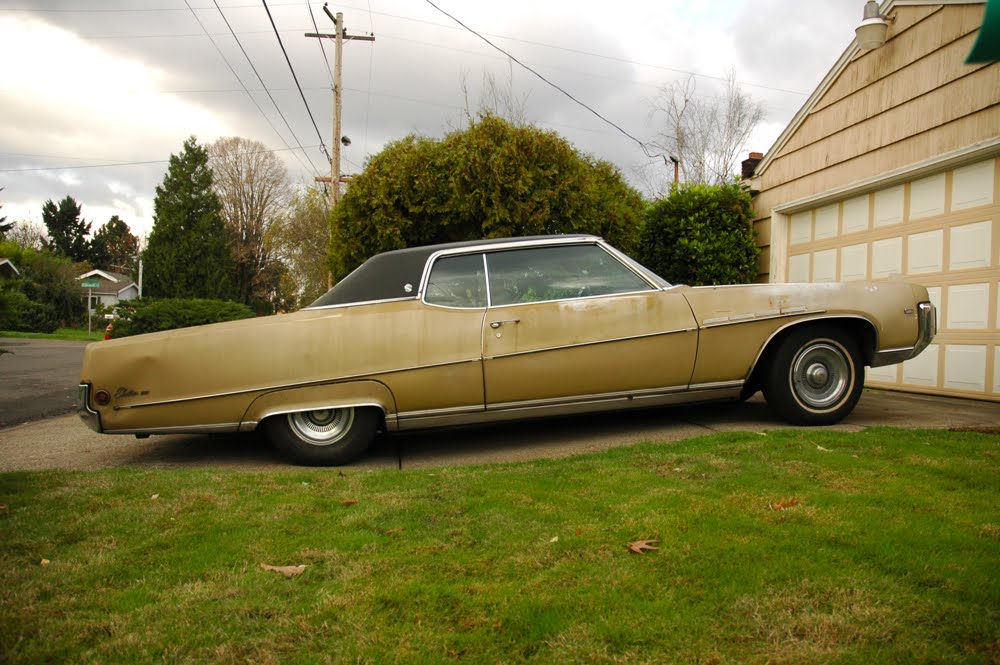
7, 269
891, 170
110, 288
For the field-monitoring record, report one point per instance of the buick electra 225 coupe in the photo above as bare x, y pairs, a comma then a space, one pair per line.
495, 330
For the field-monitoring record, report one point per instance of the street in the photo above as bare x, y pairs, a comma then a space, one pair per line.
38, 378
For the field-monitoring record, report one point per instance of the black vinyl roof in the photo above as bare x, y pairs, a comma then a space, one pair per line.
386, 276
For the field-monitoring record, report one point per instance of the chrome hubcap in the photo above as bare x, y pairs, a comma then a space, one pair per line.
821, 375
322, 427
817, 375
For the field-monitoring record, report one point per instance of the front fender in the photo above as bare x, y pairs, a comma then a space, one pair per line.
327, 396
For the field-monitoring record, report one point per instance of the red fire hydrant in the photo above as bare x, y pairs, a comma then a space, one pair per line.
107, 331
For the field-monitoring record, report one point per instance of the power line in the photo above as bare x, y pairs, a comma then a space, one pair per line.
439, 25
85, 166
371, 77
269, 96
237, 76
296, 78
326, 60
642, 144
98, 166
587, 53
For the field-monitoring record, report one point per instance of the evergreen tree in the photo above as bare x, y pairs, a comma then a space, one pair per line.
67, 232
187, 255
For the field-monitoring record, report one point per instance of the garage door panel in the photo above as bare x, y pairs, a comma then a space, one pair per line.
941, 230
971, 245
965, 367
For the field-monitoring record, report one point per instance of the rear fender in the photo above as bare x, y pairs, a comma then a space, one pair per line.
327, 396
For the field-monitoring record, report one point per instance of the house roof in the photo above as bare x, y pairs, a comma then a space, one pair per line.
885, 8
7, 267
109, 282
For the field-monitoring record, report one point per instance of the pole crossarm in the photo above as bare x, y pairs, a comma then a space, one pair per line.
346, 38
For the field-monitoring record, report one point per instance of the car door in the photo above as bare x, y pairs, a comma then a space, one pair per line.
573, 323
443, 342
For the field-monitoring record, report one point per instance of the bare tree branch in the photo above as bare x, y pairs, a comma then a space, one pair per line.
252, 185
707, 134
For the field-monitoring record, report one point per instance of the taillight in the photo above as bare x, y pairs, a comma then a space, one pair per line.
102, 397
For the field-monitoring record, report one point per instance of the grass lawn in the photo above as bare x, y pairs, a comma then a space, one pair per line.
72, 334
786, 547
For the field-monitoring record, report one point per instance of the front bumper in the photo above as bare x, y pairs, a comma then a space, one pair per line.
91, 418
926, 329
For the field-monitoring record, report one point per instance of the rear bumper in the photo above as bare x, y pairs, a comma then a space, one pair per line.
90, 418
926, 329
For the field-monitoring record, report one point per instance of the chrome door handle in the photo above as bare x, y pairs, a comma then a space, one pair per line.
497, 324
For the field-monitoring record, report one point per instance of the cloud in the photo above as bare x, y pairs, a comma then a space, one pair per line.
84, 106
90, 87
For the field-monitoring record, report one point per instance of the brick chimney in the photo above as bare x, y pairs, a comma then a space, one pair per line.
750, 164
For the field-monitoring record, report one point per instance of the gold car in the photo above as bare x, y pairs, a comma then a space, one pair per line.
495, 330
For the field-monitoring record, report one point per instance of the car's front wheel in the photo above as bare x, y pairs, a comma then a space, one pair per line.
323, 437
815, 377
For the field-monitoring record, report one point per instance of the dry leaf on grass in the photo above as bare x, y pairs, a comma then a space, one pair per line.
287, 571
784, 504
349, 502
44, 562
641, 546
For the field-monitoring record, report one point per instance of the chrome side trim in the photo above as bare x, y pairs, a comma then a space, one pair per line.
453, 410
90, 418
734, 319
637, 269
218, 428
290, 386
892, 356
800, 321
357, 304
339, 405
594, 343
587, 399
568, 406
717, 385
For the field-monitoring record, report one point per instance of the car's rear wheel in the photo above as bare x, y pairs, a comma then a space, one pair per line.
815, 377
323, 437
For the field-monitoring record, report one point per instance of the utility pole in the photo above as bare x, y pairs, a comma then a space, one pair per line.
338, 99
338, 96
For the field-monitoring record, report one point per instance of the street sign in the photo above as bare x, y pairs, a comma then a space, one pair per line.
91, 285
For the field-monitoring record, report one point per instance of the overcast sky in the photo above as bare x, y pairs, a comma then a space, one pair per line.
96, 94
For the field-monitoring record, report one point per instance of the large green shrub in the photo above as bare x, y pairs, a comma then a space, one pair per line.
39, 317
19, 313
493, 179
149, 315
701, 234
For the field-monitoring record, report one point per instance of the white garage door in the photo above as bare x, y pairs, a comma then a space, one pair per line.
942, 231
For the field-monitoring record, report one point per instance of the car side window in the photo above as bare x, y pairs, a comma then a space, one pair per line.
558, 273
457, 281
